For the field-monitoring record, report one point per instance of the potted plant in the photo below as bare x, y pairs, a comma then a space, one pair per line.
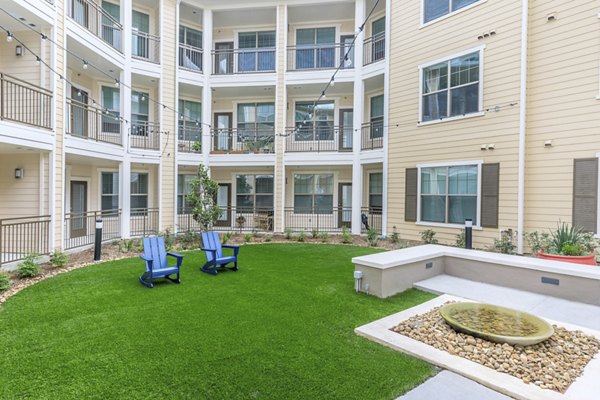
566, 243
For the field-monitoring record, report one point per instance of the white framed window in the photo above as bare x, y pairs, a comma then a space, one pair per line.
452, 88
313, 194
435, 9
139, 193
109, 201
254, 192
449, 193
375, 192
184, 187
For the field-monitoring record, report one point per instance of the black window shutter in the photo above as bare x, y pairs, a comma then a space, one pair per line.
585, 193
490, 188
410, 195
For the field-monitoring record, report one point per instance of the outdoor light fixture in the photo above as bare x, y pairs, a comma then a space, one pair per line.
18, 50
9, 36
19, 173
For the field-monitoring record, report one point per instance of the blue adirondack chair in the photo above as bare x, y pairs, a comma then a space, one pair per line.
156, 262
214, 254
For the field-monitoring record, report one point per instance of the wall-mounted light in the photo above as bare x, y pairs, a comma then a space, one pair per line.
18, 50
19, 173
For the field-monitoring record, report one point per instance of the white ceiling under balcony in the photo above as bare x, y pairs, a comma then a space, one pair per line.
23, 20
93, 58
246, 92
323, 11
245, 17
314, 90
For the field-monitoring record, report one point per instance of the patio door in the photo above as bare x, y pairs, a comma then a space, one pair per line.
346, 129
224, 203
347, 46
345, 205
223, 133
78, 208
79, 115
140, 45
224, 58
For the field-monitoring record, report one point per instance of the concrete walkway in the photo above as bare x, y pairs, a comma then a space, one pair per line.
450, 386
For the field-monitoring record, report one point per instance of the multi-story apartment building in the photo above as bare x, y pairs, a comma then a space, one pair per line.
309, 115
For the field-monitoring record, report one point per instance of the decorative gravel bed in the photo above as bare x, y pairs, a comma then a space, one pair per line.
553, 364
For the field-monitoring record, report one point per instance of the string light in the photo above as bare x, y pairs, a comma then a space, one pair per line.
9, 36
85, 64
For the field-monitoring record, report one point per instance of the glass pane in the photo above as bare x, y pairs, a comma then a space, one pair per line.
305, 36
244, 201
112, 10
323, 204
139, 103
462, 179
376, 183
378, 27
191, 110
140, 21
461, 208
435, 106
433, 208
266, 39
302, 204
376, 106
303, 184
110, 183
464, 69
111, 98
193, 37
180, 184
265, 112
325, 35
457, 4
376, 202
435, 78
264, 184
139, 183
245, 183
247, 40
246, 113
324, 184
266, 60
110, 202
464, 100
436, 8
138, 201
433, 180
264, 202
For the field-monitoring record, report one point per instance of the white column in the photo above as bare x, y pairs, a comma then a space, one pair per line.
125, 197
207, 39
386, 107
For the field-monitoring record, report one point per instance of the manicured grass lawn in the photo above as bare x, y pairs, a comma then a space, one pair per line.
282, 327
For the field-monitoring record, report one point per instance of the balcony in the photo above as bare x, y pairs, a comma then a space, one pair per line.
372, 135
189, 138
80, 229
96, 20
318, 139
190, 57
145, 46
374, 49
88, 122
25, 103
144, 221
317, 57
240, 141
20, 237
145, 135
243, 61
242, 219
332, 219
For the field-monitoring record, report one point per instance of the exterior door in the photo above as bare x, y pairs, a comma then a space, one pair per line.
346, 129
223, 134
345, 205
78, 208
224, 203
224, 58
347, 47
79, 115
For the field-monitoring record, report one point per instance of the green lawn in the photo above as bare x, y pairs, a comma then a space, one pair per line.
282, 327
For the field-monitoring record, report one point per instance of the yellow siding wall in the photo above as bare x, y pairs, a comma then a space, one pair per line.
20, 197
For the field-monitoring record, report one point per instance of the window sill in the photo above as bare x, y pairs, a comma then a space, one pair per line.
443, 17
442, 225
456, 118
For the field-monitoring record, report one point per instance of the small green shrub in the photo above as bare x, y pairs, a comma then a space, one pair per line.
197, 146
227, 237
403, 244
4, 282
288, 233
268, 238
58, 259
247, 237
505, 244
29, 267
372, 237
346, 236
314, 233
460, 239
168, 238
395, 237
428, 236
569, 249
302, 236
324, 237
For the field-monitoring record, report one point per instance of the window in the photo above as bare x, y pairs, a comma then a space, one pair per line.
257, 51
110, 32
110, 193
376, 117
315, 48
254, 192
189, 125
449, 194
184, 187
451, 88
111, 102
434, 9
314, 123
190, 37
378, 42
139, 113
140, 44
375, 192
313, 194
256, 122
139, 192
190, 48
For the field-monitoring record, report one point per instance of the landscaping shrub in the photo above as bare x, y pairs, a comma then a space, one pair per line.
247, 237
428, 236
372, 237
227, 237
302, 236
324, 236
505, 244
4, 282
29, 267
58, 259
315, 233
395, 237
288, 233
346, 236
268, 238
460, 239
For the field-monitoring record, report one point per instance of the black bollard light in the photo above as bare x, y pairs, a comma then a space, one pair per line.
468, 233
98, 242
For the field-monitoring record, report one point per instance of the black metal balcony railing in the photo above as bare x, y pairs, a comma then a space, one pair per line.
318, 139
143, 221
321, 56
88, 122
373, 218
145, 135
241, 219
80, 229
332, 219
374, 49
243, 61
25, 103
145, 46
20, 237
190, 57
189, 137
242, 141
372, 135
96, 20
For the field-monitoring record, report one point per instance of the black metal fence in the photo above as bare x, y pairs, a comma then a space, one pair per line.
80, 229
25, 103
20, 237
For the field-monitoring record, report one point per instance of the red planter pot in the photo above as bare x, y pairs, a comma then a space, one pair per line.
587, 260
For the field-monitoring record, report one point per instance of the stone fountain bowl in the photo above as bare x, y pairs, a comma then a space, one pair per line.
497, 324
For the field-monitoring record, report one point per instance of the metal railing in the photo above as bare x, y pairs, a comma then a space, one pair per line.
322, 56
374, 49
232, 141
189, 137
190, 57
318, 139
243, 61
332, 219
25, 103
20, 237
80, 229
145, 46
373, 218
96, 20
242, 219
143, 221
145, 135
88, 122
372, 135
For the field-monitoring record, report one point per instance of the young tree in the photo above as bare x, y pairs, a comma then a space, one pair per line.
202, 199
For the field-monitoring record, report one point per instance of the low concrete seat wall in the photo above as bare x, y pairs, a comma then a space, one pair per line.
385, 274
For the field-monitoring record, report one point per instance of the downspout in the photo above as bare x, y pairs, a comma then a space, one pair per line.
522, 126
